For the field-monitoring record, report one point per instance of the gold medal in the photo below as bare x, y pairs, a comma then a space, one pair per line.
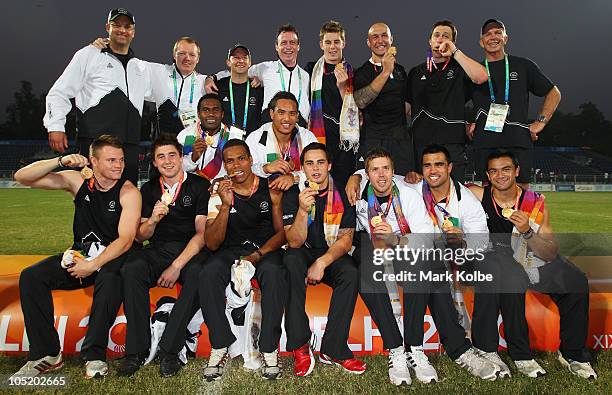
86, 173
447, 223
376, 220
313, 185
340, 66
392, 51
209, 140
507, 212
167, 198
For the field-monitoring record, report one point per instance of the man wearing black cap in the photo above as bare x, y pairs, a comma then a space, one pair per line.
109, 88
242, 103
501, 106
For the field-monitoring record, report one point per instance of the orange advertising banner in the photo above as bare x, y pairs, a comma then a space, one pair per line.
72, 316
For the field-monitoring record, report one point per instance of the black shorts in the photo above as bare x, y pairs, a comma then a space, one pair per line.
523, 155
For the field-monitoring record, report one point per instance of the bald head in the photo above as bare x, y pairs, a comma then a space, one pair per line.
379, 39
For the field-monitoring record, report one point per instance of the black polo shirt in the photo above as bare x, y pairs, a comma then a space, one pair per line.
525, 77
255, 104
438, 103
388, 110
316, 235
179, 223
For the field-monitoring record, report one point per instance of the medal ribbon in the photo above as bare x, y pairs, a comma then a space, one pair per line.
282, 78
507, 90
253, 189
518, 196
176, 193
246, 104
432, 65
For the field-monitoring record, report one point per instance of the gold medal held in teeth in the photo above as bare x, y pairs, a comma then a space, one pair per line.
209, 140
167, 198
376, 220
507, 212
86, 173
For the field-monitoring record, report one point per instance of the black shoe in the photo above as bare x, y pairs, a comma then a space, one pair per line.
169, 365
130, 365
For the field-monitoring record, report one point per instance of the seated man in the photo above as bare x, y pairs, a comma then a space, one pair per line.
384, 218
105, 219
526, 255
319, 223
244, 224
174, 208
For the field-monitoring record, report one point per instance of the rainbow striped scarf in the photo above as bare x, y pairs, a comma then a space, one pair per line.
533, 205
211, 170
374, 209
334, 209
349, 115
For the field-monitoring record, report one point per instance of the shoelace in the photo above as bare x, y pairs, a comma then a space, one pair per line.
216, 357
398, 359
270, 359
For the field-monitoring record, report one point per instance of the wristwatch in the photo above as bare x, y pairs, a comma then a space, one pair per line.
529, 234
541, 118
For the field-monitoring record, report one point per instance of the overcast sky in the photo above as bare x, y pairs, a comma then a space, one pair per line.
569, 40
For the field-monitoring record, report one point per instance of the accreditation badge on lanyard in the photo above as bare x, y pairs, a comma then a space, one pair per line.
188, 117
498, 112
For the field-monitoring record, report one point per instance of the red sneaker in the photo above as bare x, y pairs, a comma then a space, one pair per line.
352, 365
304, 361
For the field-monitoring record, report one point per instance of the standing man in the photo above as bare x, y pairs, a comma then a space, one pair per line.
174, 208
334, 116
203, 141
381, 92
109, 88
502, 105
438, 90
387, 210
242, 104
277, 145
526, 255
245, 225
283, 74
105, 223
319, 224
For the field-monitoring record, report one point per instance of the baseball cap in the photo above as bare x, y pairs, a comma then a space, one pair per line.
495, 22
230, 51
117, 12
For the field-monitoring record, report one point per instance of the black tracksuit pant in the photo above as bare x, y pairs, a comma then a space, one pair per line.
417, 296
272, 279
139, 274
562, 281
342, 276
35, 285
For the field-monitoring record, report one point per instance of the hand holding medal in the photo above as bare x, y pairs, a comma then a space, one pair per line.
307, 196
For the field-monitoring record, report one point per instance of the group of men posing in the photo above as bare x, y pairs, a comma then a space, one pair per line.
273, 204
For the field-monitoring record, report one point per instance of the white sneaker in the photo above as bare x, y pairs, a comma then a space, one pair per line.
398, 366
96, 369
530, 368
418, 361
477, 365
42, 365
271, 369
580, 369
216, 364
494, 357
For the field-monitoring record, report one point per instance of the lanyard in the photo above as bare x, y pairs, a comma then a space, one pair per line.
448, 199
246, 103
507, 91
176, 93
282, 78
253, 190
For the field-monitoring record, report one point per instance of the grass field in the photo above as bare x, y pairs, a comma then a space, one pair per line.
39, 222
